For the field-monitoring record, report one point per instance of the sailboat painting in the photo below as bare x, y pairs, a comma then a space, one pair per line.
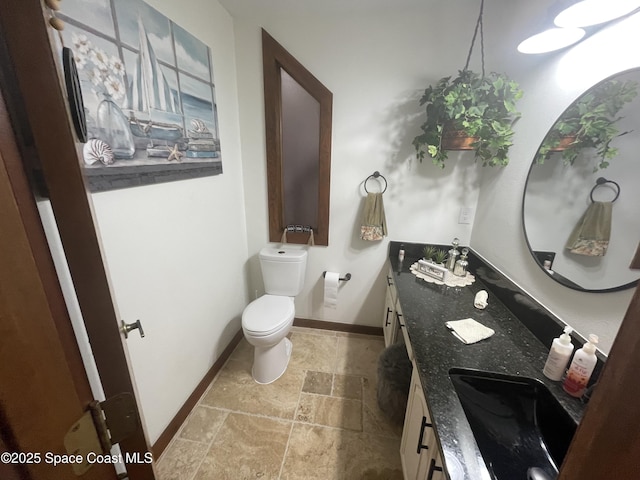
149, 95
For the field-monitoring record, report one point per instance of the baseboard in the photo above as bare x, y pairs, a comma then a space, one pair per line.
183, 413
340, 327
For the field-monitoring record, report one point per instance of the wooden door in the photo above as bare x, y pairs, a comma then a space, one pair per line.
43, 386
39, 105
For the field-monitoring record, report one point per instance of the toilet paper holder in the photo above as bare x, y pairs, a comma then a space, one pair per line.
346, 278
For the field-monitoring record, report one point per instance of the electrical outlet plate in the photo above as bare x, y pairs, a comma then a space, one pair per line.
466, 214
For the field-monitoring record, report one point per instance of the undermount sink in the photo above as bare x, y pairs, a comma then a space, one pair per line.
518, 424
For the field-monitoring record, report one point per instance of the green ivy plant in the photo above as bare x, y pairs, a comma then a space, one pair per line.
591, 123
483, 107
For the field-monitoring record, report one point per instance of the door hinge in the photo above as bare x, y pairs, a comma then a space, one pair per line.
103, 425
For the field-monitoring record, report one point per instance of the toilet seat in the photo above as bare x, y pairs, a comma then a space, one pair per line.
267, 315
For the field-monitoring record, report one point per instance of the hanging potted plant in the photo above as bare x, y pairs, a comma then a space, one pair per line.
471, 112
590, 122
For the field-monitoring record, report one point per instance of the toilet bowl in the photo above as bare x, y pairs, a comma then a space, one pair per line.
265, 324
267, 320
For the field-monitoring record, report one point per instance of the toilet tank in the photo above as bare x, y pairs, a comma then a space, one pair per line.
283, 270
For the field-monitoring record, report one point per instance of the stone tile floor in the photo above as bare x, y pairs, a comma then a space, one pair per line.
320, 420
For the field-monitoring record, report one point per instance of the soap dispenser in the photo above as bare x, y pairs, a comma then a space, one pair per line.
460, 268
453, 255
559, 355
584, 361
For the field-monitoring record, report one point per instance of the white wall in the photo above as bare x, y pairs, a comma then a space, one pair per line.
376, 62
497, 233
176, 252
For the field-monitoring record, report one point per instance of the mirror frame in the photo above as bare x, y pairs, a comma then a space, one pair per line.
274, 58
569, 283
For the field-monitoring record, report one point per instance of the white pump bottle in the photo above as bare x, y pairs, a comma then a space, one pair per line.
581, 368
559, 355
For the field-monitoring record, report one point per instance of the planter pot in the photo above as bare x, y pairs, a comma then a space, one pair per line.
453, 139
563, 143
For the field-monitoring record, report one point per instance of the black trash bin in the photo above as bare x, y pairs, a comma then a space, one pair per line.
394, 380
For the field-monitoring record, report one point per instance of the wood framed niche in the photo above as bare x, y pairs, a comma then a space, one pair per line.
298, 109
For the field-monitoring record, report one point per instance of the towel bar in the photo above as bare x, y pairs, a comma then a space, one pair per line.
375, 174
298, 228
601, 181
346, 278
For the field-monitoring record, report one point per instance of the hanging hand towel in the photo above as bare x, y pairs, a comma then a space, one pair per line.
469, 331
374, 223
591, 235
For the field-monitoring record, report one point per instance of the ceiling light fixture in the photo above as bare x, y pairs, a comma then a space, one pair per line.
585, 13
594, 12
550, 40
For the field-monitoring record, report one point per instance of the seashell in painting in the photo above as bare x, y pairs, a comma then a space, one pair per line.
96, 150
199, 126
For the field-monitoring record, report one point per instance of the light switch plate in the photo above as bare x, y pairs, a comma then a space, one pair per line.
466, 214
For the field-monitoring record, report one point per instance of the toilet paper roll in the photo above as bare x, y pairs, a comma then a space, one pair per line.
331, 282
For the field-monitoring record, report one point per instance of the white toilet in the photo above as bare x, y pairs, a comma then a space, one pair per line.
267, 320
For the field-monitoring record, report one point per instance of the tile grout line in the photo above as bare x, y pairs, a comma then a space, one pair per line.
333, 382
362, 405
199, 403
295, 415
209, 445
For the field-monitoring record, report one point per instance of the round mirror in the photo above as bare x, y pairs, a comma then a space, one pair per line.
583, 190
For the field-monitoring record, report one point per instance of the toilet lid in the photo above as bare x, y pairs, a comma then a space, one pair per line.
267, 314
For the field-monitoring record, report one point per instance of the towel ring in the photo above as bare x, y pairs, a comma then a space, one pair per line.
601, 181
375, 174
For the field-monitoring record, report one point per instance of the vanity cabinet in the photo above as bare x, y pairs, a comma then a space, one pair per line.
393, 326
389, 318
435, 471
402, 336
419, 449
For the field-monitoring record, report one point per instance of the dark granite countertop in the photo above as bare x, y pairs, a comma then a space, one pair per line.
512, 350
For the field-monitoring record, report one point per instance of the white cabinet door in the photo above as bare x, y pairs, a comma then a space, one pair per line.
435, 467
418, 441
401, 334
389, 320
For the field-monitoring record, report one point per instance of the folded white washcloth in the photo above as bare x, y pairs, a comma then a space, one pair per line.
469, 331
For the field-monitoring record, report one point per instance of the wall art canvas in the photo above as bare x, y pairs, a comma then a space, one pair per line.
149, 95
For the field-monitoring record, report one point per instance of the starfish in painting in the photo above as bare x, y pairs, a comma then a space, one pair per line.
175, 154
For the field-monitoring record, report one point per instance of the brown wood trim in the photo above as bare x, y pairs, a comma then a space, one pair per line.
274, 57
273, 139
37, 240
607, 444
40, 397
30, 44
336, 326
192, 401
635, 263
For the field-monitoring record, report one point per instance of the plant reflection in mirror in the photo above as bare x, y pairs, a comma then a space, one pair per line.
590, 122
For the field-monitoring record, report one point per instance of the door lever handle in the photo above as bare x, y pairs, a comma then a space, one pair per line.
129, 327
